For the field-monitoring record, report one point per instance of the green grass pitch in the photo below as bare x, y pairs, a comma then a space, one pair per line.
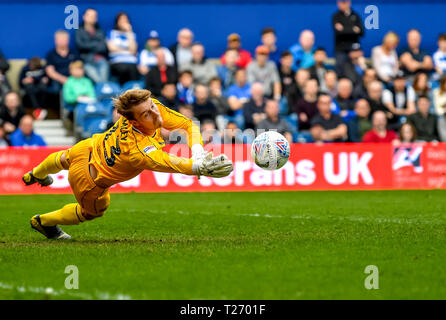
262, 245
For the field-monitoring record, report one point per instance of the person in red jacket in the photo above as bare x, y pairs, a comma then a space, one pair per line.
380, 133
244, 57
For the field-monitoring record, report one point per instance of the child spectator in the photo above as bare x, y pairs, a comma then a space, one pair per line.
78, 88
440, 55
185, 88
25, 136
407, 133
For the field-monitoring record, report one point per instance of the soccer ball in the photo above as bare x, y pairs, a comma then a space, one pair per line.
270, 150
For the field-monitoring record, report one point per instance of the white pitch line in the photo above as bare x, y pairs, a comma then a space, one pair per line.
55, 293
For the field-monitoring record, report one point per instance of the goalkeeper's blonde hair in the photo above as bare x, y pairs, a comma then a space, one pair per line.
125, 102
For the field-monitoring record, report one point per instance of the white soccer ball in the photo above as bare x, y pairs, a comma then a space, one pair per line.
270, 150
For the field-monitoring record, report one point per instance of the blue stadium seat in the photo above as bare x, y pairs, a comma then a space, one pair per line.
95, 125
84, 114
132, 85
107, 90
292, 122
302, 137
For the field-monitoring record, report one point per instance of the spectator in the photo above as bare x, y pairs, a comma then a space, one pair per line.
209, 133
407, 133
203, 70
11, 112
303, 51
375, 99
414, 59
384, 57
360, 123
227, 71
360, 90
400, 98
420, 85
238, 94
92, 46
379, 132
4, 141
160, 74
440, 55
296, 90
273, 121
58, 61
4, 84
185, 88
344, 98
123, 47
348, 30
424, 122
115, 118
326, 126
286, 74
187, 110
147, 57
306, 107
232, 134
169, 96
330, 85
355, 66
78, 88
269, 40
34, 82
181, 50
25, 136
440, 107
216, 96
264, 71
318, 70
244, 57
204, 109
254, 109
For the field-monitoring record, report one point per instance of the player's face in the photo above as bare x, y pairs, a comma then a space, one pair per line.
147, 117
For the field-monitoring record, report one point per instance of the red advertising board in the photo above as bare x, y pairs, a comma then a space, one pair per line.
310, 167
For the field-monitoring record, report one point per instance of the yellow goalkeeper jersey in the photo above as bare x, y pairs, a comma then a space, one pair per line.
122, 152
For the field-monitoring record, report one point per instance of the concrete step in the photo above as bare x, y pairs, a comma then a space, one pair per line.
59, 132
59, 141
48, 124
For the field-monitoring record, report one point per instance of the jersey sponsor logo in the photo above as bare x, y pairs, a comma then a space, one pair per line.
149, 149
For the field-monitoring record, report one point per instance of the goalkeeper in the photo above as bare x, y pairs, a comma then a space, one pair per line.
132, 145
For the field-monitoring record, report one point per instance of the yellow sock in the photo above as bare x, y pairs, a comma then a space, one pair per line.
50, 165
68, 215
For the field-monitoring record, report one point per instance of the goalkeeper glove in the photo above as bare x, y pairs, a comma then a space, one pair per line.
217, 167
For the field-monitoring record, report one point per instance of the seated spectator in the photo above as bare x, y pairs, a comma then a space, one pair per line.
326, 126
244, 57
269, 39
306, 107
160, 74
355, 66
181, 50
78, 88
204, 109
238, 94
273, 121
286, 74
264, 71
4, 141
227, 71
424, 122
254, 109
421, 86
414, 59
384, 57
407, 133
232, 134
319, 69
440, 107
440, 56
216, 96
147, 57
296, 90
400, 98
123, 47
203, 70
34, 82
330, 85
91, 43
375, 99
4, 84
209, 133
379, 132
25, 136
58, 61
169, 96
344, 99
187, 110
303, 52
360, 90
185, 87
359, 124
11, 112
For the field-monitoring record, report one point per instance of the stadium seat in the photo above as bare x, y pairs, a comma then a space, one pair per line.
95, 125
132, 85
84, 114
107, 90
292, 122
302, 137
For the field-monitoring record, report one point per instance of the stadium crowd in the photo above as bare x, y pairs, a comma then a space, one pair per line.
399, 94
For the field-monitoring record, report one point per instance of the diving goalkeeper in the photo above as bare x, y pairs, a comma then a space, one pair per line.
132, 145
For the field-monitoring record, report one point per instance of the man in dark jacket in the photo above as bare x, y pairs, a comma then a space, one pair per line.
160, 74
348, 29
424, 122
92, 47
